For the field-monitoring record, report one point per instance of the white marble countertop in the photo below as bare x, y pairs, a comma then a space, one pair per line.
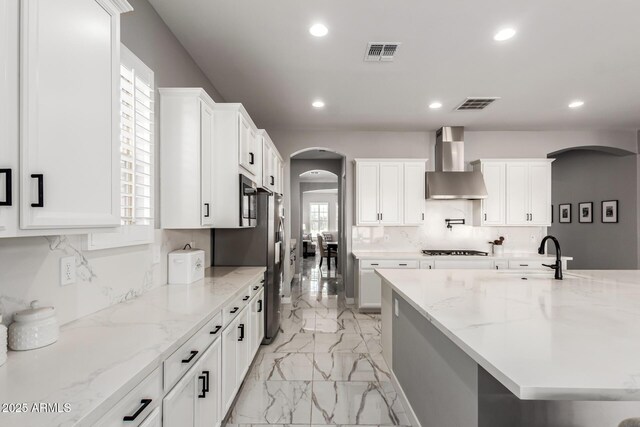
418, 255
101, 357
576, 339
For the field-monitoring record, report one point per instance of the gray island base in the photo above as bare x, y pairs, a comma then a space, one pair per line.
477, 348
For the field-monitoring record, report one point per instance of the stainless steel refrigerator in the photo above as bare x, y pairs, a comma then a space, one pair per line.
262, 245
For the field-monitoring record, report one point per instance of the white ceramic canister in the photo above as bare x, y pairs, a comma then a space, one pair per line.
33, 328
3, 342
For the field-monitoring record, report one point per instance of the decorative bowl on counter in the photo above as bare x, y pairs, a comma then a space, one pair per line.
33, 328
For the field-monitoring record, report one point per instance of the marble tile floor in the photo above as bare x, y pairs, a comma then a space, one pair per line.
324, 368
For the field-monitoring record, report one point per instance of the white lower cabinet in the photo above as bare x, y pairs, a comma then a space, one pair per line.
242, 345
153, 420
229, 362
257, 321
195, 399
463, 264
369, 284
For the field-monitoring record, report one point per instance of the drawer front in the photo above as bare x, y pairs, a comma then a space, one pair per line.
501, 264
234, 308
176, 365
255, 288
136, 406
528, 264
369, 264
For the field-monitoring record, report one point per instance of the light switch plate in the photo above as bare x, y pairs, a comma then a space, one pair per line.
67, 270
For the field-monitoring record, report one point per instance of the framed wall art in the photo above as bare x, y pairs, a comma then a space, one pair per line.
565, 213
610, 211
585, 212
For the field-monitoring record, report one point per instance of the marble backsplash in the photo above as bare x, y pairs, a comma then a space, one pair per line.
435, 235
30, 270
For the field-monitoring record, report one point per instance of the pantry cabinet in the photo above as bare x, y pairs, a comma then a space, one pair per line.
186, 155
389, 192
519, 192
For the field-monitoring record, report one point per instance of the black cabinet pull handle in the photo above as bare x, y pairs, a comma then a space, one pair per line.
245, 298
241, 327
273, 180
262, 281
216, 330
203, 390
206, 206
255, 288
259, 306
374, 263
234, 310
251, 158
404, 265
40, 178
143, 405
8, 199
485, 217
193, 354
423, 216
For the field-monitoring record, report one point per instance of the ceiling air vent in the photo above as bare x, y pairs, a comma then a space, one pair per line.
380, 51
473, 104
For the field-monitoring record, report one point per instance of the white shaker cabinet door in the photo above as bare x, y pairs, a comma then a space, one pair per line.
209, 387
229, 362
367, 176
260, 322
8, 116
517, 193
493, 207
206, 153
179, 405
243, 338
414, 194
391, 193
540, 193
69, 147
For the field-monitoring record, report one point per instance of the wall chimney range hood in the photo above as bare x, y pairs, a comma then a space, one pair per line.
450, 181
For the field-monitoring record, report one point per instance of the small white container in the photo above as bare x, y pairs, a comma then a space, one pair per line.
33, 328
3, 342
186, 266
498, 250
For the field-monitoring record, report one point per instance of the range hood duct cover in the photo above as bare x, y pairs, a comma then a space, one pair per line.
450, 180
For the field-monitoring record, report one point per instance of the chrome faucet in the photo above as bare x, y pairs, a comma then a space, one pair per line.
557, 266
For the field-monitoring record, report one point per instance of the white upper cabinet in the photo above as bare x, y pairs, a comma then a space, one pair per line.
272, 165
519, 192
249, 148
414, 193
70, 122
492, 209
186, 155
391, 189
367, 193
9, 100
389, 192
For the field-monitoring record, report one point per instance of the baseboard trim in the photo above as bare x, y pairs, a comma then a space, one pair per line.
351, 300
405, 402
285, 300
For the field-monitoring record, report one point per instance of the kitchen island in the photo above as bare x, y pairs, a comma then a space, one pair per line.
509, 348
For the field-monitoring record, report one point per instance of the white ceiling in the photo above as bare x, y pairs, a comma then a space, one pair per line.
260, 53
318, 176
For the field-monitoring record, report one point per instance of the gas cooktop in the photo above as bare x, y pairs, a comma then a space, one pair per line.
449, 252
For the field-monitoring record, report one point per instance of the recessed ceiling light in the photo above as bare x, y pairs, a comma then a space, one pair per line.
435, 105
318, 30
576, 104
318, 104
504, 34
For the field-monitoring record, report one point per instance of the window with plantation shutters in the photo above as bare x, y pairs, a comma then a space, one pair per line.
136, 156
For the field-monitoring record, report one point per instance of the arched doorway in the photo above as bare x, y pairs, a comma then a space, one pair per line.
317, 176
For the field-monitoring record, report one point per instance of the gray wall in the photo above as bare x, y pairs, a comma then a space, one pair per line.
297, 167
592, 176
484, 144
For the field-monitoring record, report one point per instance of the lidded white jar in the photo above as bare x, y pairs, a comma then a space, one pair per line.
3, 342
33, 328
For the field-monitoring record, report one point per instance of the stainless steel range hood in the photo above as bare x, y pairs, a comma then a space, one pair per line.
450, 180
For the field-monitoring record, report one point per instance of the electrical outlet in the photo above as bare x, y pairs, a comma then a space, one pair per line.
67, 270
